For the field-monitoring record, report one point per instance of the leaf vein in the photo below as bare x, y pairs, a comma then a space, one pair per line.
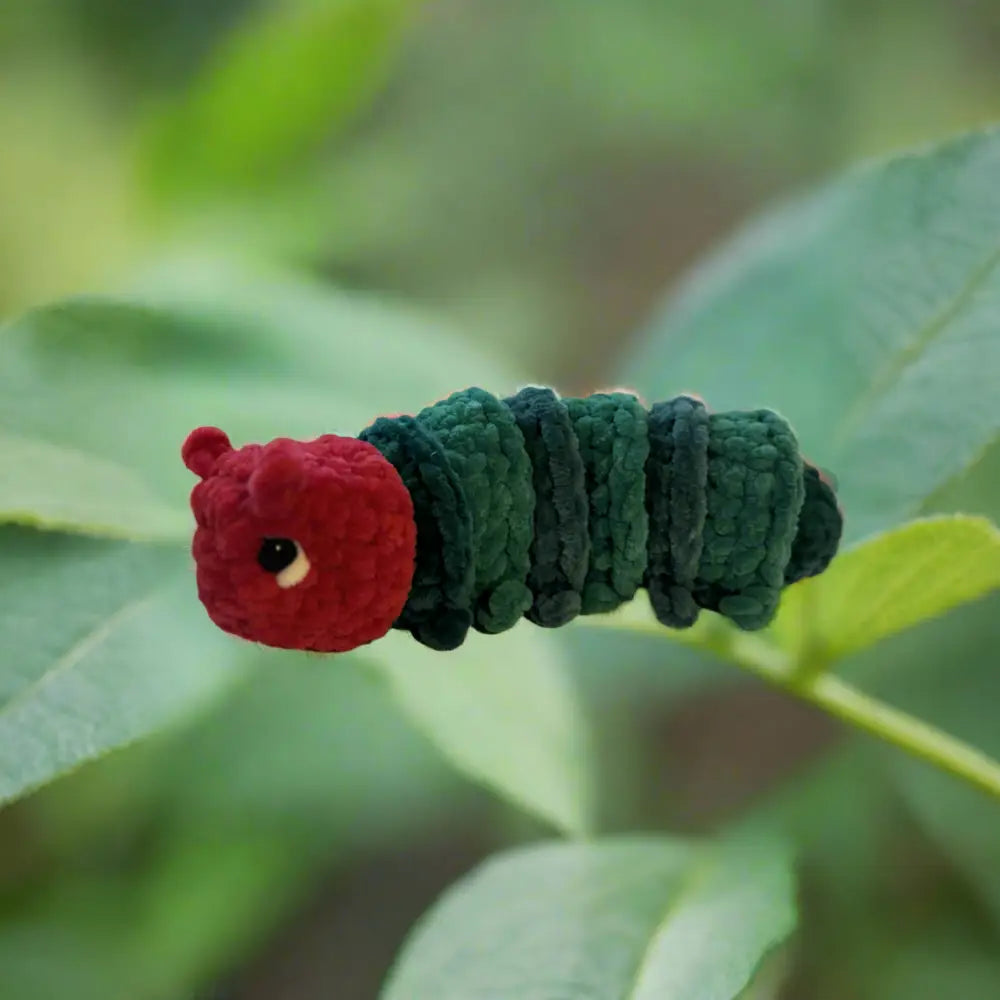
78, 651
914, 350
693, 880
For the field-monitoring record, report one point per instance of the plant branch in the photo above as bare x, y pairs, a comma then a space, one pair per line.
889, 724
804, 673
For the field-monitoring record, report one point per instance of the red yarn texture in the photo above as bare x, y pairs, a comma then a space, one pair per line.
339, 500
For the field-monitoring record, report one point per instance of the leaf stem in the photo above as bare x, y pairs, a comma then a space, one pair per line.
803, 672
917, 738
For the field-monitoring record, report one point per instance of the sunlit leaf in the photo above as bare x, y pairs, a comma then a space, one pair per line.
889, 583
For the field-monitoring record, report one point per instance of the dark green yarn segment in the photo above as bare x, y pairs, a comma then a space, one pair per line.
483, 443
560, 549
612, 431
820, 527
437, 611
676, 477
755, 492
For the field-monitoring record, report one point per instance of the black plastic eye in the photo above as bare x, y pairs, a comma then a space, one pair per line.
275, 554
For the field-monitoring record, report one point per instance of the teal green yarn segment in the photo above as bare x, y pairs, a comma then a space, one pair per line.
627, 484
437, 611
612, 431
676, 477
688, 503
820, 527
560, 548
755, 492
547, 508
486, 448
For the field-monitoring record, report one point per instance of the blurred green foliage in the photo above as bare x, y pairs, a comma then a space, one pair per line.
287, 216
274, 88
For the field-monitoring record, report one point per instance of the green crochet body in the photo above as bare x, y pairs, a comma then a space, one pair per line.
547, 508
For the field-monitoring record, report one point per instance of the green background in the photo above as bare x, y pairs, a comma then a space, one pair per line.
288, 216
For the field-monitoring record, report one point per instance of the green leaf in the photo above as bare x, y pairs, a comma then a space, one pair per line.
261, 355
975, 491
867, 313
502, 710
47, 486
633, 917
288, 77
97, 648
887, 584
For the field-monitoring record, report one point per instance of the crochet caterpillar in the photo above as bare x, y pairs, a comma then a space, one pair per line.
479, 511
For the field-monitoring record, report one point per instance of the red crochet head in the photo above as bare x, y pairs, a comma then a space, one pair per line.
301, 545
